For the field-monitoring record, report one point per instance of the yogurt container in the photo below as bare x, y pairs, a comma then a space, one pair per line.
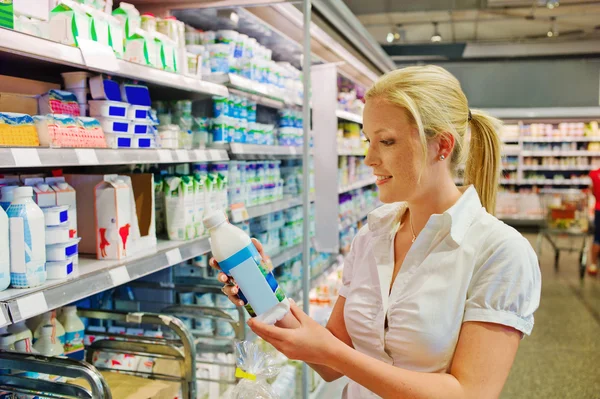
108, 109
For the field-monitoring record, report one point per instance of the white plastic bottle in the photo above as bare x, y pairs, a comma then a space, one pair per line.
25, 346
49, 318
27, 240
7, 341
21, 332
47, 344
237, 256
4, 251
74, 332
6, 196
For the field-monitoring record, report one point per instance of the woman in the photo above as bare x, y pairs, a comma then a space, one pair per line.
437, 293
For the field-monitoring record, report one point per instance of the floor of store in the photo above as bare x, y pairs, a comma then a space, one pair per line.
561, 359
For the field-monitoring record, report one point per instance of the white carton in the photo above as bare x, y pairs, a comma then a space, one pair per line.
129, 17
65, 195
180, 209
98, 25
136, 48
69, 23
113, 198
117, 35
43, 194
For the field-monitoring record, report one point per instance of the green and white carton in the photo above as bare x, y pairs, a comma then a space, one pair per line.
68, 23
7, 14
136, 48
98, 25
179, 204
129, 17
116, 36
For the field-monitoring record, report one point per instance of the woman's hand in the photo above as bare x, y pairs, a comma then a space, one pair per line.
311, 342
231, 289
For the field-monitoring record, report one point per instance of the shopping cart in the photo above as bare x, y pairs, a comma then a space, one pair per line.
566, 218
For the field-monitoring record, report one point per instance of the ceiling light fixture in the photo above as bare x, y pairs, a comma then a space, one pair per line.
553, 31
390, 37
436, 38
552, 4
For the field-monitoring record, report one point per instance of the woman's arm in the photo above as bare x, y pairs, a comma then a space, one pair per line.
337, 326
482, 361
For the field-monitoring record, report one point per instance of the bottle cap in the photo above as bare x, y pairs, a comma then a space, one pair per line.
214, 219
23, 192
6, 192
7, 339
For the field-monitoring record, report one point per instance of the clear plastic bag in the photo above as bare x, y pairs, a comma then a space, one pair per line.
254, 368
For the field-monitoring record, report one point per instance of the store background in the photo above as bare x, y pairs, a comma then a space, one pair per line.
234, 134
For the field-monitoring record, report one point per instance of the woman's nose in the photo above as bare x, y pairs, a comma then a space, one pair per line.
370, 158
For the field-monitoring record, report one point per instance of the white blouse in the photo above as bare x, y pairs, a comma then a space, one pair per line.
465, 265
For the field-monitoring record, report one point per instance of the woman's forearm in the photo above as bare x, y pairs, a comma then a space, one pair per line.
327, 373
389, 381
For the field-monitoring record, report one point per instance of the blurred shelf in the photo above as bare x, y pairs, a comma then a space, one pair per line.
509, 181
256, 151
259, 92
33, 47
315, 279
12, 157
553, 182
550, 113
265, 209
357, 185
510, 167
354, 153
509, 139
517, 221
559, 139
583, 153
349, 221
94, 276
559, 168
349, 116
286, 255
511, 152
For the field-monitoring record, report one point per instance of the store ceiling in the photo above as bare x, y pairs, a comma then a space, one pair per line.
468, 26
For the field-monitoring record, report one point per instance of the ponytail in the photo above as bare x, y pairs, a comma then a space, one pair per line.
482, 168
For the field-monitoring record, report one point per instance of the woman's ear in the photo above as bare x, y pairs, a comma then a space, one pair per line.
446, 145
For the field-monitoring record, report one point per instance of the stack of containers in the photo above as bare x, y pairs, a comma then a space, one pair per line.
234, 121
124, 113
179, 128
290, 128
255, 182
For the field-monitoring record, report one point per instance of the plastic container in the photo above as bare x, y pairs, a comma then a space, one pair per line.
6, 196
47, 344
105, 89
115, 126
238, 257
27, 240
57, 235
4, 251
148, 22
136, 94
60, 270
142, 127
119, 140
74, 332
138, 113
56, 216
144, 142
21, 332
81, 94
75, 80
61, 252
49, 318
108, 109
7, 341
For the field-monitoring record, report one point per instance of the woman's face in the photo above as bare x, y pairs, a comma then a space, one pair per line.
395, 152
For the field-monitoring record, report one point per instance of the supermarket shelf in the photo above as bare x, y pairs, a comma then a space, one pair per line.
95, 276
347, 222
286, 255
553, 182
510, 167
545, 113
510, 139
255, 151
355, 153
509, 181
511, 152
357, 185
53, 157
579, 153
258, 92
523, 222
314, 280
37, 48
559, 168
349, 116
265, 209
559, 139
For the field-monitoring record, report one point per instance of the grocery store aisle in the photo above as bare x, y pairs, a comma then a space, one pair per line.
561, 359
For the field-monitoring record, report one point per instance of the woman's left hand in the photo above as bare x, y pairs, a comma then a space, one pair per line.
309, 343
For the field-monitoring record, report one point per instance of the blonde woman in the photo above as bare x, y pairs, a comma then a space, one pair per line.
437, 293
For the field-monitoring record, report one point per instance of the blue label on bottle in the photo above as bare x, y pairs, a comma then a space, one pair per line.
74, 344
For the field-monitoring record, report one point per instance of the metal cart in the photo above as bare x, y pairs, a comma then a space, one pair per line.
566, 216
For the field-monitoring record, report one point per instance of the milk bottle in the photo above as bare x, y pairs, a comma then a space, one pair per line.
74, 332
4, 251
47, 344
238, 257
27, 240
21, 332
49, 318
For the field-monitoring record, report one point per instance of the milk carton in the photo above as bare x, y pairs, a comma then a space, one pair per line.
179, 204
98, 25
113, 217
27, 240
116, 34
129, 17
69, 23
65, 195
199, 203
4, 251
43, 194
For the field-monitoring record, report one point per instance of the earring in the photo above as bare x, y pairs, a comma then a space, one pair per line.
442, 157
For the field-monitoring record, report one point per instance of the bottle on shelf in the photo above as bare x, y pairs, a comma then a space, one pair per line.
21, 332
74, 332
7, 341
237, 256
4, 251
27, 240
49, 318
47, 343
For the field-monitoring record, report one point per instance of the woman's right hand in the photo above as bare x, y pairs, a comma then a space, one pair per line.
231, 289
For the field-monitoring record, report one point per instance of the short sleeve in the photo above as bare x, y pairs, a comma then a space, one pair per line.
348, 270
506, 287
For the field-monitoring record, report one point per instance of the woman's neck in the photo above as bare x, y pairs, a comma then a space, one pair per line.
437, 200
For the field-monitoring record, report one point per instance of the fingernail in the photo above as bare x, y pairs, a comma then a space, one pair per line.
241, 303
234, 290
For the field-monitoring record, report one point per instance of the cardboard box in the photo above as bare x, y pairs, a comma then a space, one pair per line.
43, 194
25, 86
19, 103
143, 191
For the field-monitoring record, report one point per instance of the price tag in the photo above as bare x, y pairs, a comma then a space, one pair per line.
165, 156
32, 305
2, 318
174, 257
26, 157
239, 213
98, 56
214, 155
86, 156
182, 155
200, 155
119, 275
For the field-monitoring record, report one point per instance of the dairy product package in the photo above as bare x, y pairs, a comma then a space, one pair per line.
179, 205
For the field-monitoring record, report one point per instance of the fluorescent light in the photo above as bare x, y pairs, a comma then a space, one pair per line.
436, 38
390, 37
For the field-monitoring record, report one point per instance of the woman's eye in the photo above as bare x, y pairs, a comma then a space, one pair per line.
367, 141
387, 143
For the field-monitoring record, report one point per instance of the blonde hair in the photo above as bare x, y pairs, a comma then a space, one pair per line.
435, 102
